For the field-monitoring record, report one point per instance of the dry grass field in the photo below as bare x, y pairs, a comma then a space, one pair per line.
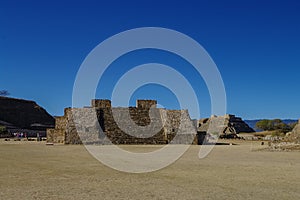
32, 170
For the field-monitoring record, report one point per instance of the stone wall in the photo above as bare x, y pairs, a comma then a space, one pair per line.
101, 103
129, 125
143, 124
146, 104
57, 134
178, 127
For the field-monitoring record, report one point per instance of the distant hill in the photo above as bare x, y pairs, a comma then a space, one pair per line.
252, 123
24, 114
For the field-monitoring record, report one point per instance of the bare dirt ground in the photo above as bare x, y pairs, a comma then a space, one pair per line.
32, 170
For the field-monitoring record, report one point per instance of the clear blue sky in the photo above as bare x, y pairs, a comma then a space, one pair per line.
255, 44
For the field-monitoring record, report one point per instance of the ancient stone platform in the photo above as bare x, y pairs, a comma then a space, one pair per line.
103, 124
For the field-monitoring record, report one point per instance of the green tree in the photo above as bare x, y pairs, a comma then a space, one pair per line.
283, 127
275, 124
265, 125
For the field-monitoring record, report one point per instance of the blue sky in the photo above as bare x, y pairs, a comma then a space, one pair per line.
255, 45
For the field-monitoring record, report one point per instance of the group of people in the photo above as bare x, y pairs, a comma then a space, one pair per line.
20, 135
25, 135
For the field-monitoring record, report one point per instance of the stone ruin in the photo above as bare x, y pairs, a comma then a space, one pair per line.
294, 135
291, 142
98, 124
144, 124
227, 126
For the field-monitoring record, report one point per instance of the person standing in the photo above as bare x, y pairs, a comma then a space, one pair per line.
38, 137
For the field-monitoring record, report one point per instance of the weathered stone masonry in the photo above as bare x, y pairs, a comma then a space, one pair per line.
165, 124
168, 126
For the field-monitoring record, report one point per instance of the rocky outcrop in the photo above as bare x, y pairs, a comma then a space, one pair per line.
227, 126
294, 136
24, 114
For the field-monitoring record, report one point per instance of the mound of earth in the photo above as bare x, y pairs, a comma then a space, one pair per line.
24, 114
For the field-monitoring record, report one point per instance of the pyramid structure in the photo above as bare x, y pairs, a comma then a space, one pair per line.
227, 126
